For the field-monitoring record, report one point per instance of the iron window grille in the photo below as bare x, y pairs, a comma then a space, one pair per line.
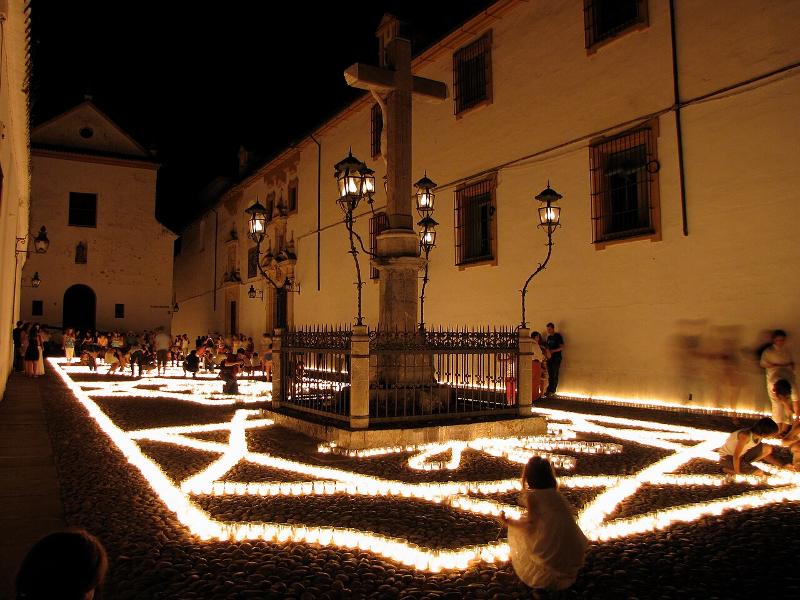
472, 74
291, 196
376, 129
605, 19
119, 311
270, 205
474, 221
252, 262
37, 308
624, 185
82, 209
81, 253
377, 224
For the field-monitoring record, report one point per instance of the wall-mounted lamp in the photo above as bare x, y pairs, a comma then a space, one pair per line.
254, 293
40, 243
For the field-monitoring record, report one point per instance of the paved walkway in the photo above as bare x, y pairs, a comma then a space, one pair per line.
30, 501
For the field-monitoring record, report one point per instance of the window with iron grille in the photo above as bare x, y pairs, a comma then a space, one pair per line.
377, 224
82, 209
475, 222
270, 205
252, 262
291, 196
37, 308
119, 311
624, 184
81, 253
472, 74
605, 19
376, 129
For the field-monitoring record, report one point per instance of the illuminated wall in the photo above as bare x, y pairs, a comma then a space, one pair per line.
128, 252
14, 166
672, 319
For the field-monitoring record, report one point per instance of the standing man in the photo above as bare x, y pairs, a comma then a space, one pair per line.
778, 363
555, 347
16, 334
163, 343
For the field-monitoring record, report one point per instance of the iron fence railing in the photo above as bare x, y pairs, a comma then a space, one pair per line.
439, 374
315, 370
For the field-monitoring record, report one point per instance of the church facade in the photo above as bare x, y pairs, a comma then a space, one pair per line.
672, 142
109, 265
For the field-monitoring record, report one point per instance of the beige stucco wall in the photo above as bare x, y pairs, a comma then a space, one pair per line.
641, 319
129, 252
14, 161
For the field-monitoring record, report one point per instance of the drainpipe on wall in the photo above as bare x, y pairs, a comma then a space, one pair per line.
214, 283
677, 109
319, 201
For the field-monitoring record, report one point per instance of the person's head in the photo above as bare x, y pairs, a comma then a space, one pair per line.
779, 337
240, 352
765, 427
539, 474
193, 353
68, 565
550, 328
782, 388
536, 336
19, 323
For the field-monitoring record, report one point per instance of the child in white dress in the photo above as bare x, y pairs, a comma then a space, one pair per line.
547, 546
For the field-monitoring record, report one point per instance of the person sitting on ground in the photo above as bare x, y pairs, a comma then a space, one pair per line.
65, 565
229, 369
744, 446
191, 364
547, 546
89, 357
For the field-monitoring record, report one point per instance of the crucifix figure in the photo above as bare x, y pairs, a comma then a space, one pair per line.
393, 85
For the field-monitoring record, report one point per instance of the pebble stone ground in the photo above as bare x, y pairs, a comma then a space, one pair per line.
736, 555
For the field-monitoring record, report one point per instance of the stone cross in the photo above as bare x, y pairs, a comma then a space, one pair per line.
393, 85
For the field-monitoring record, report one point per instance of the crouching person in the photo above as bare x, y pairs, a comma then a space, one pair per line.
743, 447
547, 546
191, 364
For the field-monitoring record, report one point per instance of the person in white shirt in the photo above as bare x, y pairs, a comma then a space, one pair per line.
547, 546
743, 447
163, 343
778, 363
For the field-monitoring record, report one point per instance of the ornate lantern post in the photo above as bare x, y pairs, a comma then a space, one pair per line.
425, 198
356, 181
549, 220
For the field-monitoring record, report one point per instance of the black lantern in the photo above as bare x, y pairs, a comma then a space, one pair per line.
40, 242
175, 307
427, 235
549, 215
36, 280
253, 293
257, 223
350, 176
367, 181
425, 196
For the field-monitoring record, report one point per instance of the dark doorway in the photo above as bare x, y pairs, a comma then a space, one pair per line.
281, 308
234, 324
79, 308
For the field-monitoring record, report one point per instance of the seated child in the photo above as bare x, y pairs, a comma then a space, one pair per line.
744, 446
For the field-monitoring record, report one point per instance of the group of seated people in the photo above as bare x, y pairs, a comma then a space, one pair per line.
152, 350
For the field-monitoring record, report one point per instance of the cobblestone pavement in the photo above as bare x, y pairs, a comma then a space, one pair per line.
153, 555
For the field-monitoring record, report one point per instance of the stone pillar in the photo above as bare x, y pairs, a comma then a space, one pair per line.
359, 378
525, 374
277, 368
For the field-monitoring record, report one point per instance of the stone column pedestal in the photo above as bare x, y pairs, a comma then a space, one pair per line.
525, 373
359, 378
277, 368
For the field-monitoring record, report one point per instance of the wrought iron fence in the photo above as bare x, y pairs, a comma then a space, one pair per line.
315, 370
439, 374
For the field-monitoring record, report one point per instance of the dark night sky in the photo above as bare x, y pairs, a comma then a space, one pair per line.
195, 83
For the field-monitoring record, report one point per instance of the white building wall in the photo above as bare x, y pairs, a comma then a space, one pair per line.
14, 162
129, 252
642, 319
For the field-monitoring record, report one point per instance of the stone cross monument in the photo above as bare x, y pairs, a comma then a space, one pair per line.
393, 85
